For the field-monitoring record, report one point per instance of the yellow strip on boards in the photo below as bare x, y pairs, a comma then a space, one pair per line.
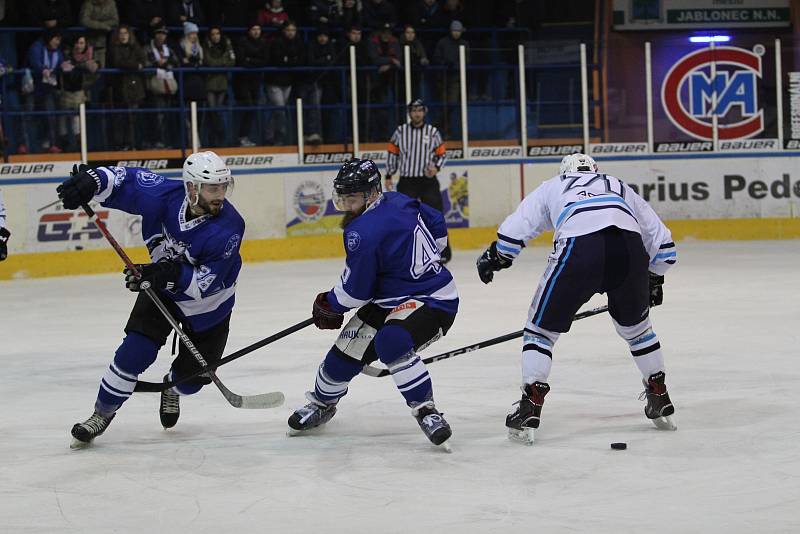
70, 263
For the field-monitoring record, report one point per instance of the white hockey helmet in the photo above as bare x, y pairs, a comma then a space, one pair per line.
578, 163
206, 168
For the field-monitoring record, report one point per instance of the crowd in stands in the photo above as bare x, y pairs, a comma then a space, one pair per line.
62, 65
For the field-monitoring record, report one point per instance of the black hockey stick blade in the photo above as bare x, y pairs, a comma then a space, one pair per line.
157, 387
374, 371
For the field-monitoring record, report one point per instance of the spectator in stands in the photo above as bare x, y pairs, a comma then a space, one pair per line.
273, 14
321, 87
218, 53
288, 50
161, 86
322, 12
353, 39
78, 75
427, 15
191, 53
50, 13
99, 17
385, 52
128, 88
235, 13
44, 59
453, 10
348, 13
146, 16
419, 57
180, 11
376, 13
252, 52
447, 54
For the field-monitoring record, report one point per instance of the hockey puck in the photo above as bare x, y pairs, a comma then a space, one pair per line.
619, 446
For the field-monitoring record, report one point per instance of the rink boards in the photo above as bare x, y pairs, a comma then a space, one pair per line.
289, 216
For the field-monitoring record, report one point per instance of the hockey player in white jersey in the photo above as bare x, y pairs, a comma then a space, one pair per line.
607, 240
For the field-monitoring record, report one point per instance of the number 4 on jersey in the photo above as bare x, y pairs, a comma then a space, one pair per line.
426, 254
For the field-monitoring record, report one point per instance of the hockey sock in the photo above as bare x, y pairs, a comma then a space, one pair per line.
645, 347
136, 354
537, 354
395, 348
333, 376
189, 387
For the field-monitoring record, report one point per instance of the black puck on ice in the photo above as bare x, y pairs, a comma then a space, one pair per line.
619, 446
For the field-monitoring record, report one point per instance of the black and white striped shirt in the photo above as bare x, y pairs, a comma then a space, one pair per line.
412, 149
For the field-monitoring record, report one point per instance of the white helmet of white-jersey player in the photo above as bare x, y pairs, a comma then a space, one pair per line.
578, 163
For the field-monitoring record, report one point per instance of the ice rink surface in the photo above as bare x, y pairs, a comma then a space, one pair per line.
728, 326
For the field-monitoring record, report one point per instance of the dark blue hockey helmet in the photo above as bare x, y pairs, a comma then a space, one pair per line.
356, 176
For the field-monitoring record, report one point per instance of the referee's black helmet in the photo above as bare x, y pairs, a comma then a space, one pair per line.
417, 103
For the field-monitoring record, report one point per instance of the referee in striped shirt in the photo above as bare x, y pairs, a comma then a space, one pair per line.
417, 151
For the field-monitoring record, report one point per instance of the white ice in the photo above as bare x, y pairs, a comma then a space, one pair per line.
729, 328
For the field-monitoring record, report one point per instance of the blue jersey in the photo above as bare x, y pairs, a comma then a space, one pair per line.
393, 256
208, 246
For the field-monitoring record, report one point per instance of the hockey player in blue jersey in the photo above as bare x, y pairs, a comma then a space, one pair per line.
607, 240
192, 233
406, 299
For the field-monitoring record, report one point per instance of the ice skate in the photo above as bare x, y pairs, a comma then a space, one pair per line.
313, 415
84, 433
170, 409
659, 408
525, 420
433, 424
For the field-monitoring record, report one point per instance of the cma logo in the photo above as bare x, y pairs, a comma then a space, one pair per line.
722, 81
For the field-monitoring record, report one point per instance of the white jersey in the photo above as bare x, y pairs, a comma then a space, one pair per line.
580, 203
2, 212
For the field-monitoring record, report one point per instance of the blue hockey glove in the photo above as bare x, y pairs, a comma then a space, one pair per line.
4, 235
161, 275
656, 289
491, 261
80, 187
325, 317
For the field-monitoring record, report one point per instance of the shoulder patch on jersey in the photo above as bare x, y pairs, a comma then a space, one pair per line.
119, 175
232, 245
148, 179
352, 240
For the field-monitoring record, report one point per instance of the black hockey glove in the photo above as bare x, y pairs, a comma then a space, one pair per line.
325, 317
491, 261
656, 289
4, 235
80, 187
161, 275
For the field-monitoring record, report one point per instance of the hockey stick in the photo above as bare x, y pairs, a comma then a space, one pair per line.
374, 371
155, 387
265, 400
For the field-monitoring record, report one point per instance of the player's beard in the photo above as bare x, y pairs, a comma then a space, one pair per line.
203, 207
350, 216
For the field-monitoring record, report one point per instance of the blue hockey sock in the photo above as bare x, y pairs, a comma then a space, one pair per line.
333, 376
395, 348
134, 355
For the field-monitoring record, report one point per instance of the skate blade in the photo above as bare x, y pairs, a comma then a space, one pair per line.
525, 436
445, 447
77, 444
665, 423
291, 432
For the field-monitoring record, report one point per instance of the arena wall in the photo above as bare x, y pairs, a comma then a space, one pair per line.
701, 196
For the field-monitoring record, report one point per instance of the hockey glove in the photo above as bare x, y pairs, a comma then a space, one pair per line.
80, 187
161, 275
325, 317
4, 235
491, 261
656, 289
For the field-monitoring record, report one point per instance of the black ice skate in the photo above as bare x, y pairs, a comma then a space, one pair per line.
84, 433
432, 424
170, 408
659, 408
313, 415
522, 423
